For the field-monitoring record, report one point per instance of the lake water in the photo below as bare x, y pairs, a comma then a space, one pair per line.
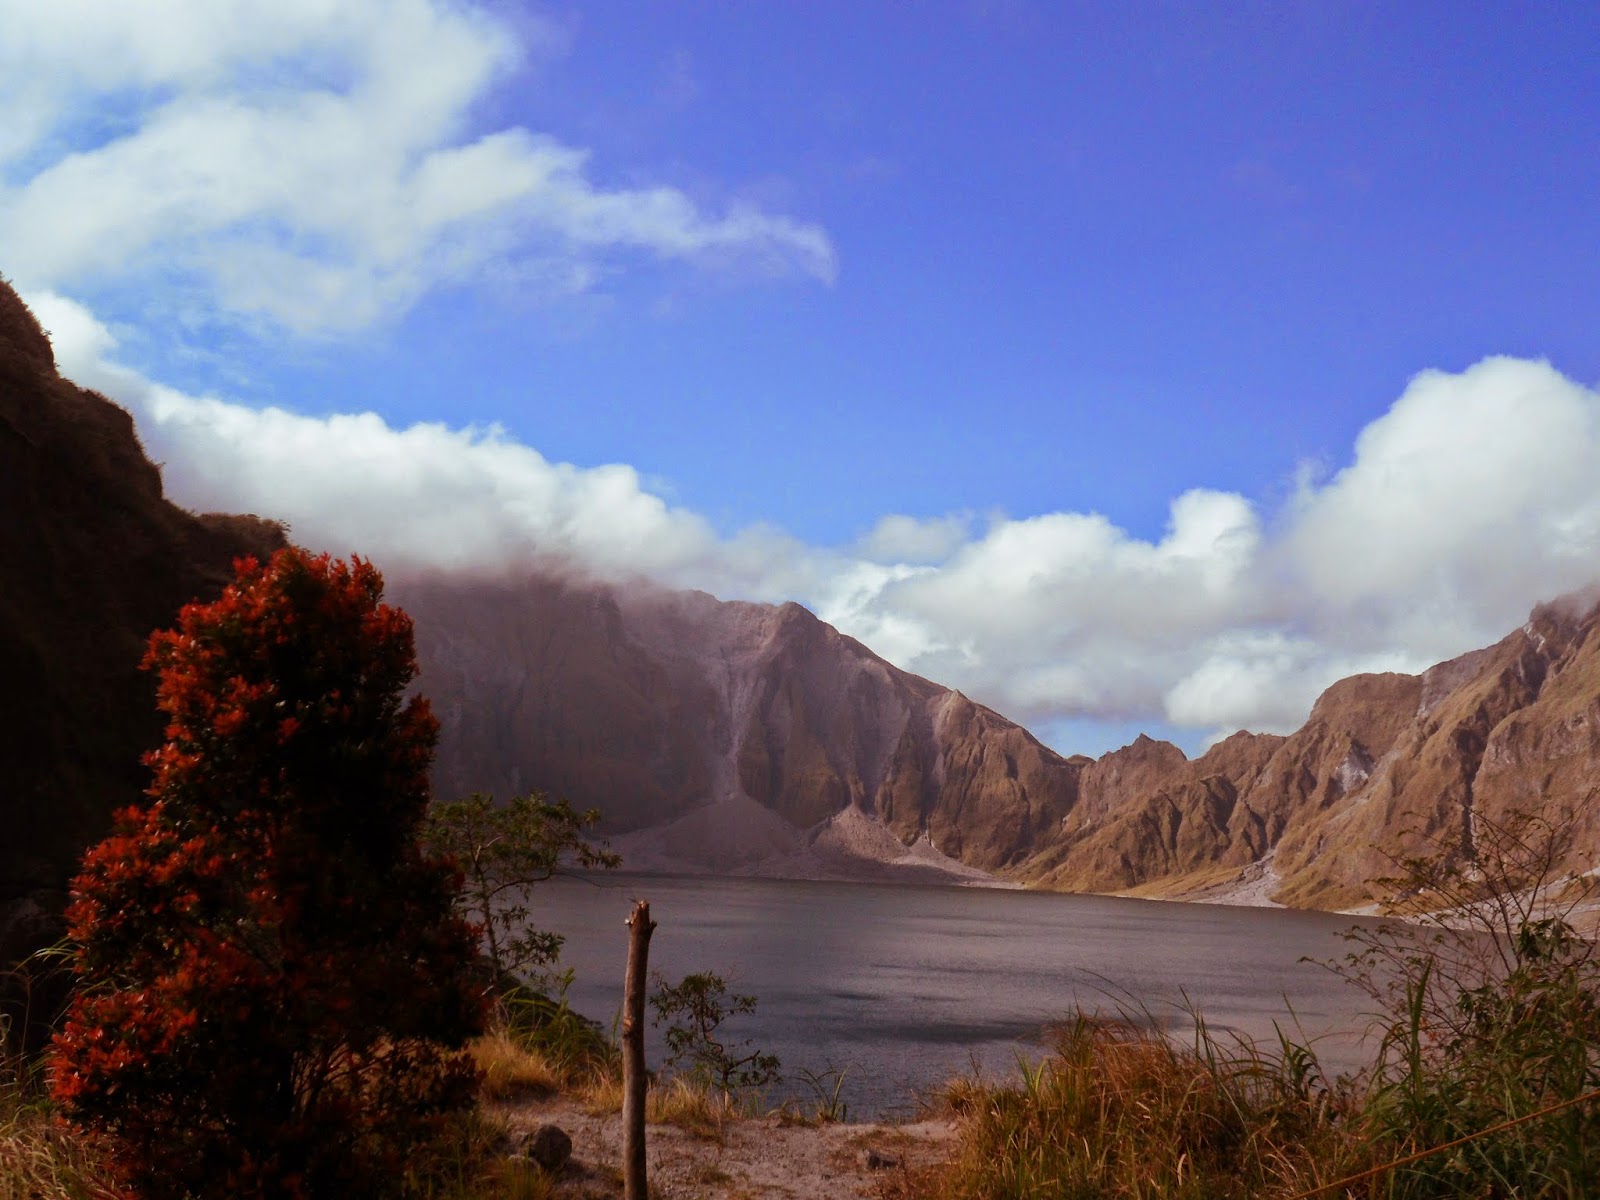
903, 987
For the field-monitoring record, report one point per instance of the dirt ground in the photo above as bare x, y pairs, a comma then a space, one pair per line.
752, 1158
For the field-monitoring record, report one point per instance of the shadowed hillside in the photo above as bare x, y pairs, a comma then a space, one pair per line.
92, 559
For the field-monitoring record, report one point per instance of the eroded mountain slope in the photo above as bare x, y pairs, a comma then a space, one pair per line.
732, 736
738, 732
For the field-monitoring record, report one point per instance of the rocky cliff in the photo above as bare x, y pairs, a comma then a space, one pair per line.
1386, 765
92, 558
740, 736
746, 737
1511, 728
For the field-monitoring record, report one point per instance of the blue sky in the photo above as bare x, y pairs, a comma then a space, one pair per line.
928, 316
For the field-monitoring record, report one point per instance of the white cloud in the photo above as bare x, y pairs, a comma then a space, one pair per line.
1266, 679
1473, 493
1474, 497
901, 539
313, 164
1068, 574
848, 594
422, 496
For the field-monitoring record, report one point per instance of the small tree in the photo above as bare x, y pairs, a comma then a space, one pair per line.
1489, 1008
504, 850
273, 982
693, 1010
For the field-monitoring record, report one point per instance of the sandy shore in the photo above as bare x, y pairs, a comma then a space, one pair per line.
751, 1159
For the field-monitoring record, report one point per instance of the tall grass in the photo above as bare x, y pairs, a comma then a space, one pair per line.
535, 1045
1118, 1110
40, 1159
693, 1105
1519, 1046
573, 1048
1485, 1080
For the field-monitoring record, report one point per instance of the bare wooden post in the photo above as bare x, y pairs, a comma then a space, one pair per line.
633, 1077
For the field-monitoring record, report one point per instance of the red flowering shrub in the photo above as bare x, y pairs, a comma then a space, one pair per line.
273, 985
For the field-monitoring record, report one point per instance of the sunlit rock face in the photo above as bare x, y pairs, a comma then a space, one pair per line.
1386, 766
1508, 729
730, 736
725, 735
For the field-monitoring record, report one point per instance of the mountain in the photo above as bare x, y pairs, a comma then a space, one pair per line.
724, 735
1511, 728
1385, 766
728, 736
92, 559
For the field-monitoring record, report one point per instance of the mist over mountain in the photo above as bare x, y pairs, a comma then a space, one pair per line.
1471, 498
730, 736
725, 735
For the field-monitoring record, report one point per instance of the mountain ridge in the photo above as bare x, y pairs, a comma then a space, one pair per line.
713, 702
736, 736
782, 745
92, 559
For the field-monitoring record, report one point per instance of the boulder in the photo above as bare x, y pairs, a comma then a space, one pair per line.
549, 1147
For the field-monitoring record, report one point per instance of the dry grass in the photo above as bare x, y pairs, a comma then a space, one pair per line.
513, 1179
469, 1163
1118, 1111
40, 1159
703, 1111
512, 1069
600, 1095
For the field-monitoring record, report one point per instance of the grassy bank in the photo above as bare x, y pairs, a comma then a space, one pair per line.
1117, 1110
535, 1050
1484, 1082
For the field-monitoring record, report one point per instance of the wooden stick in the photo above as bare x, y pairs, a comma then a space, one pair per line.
633, 1077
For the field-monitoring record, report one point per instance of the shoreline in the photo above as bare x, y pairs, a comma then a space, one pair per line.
769, 1155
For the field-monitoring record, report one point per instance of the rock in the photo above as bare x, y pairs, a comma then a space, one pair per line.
877, 1160
735, 737
549, 1147
92, 558
725, 732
